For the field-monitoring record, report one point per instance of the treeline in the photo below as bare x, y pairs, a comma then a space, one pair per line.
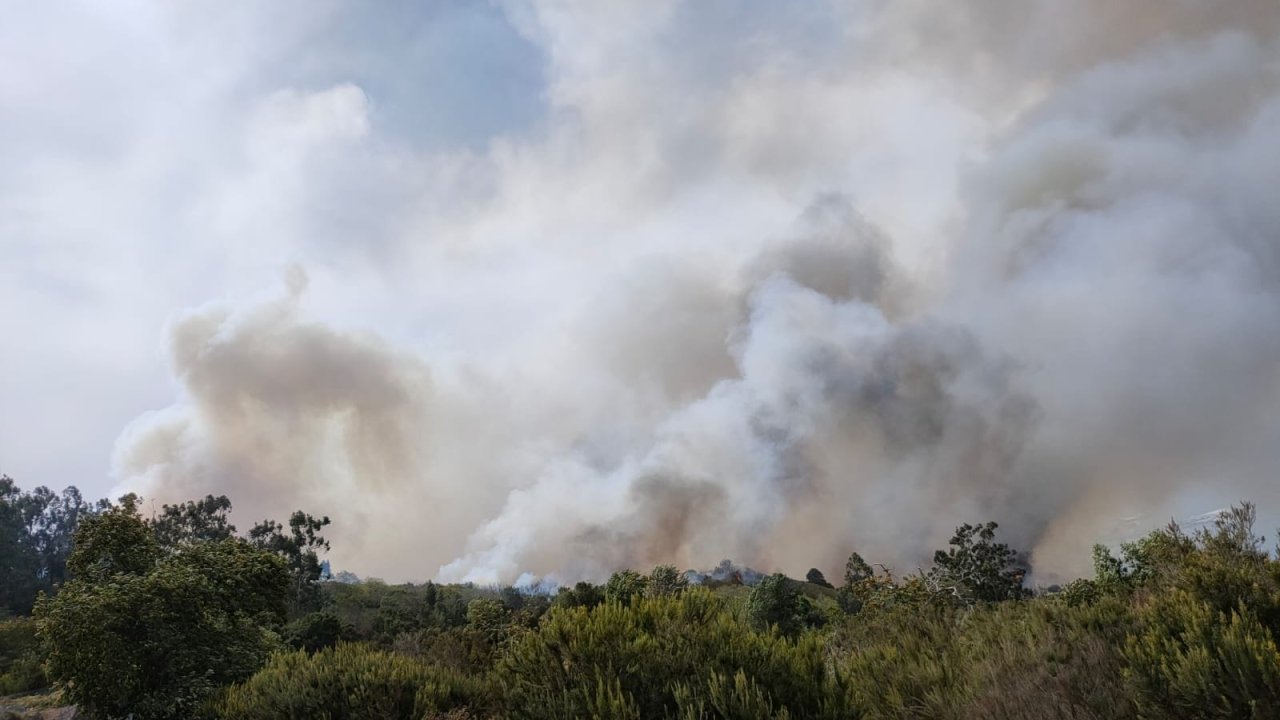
188, 620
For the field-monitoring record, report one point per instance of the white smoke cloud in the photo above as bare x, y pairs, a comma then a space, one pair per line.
766, 281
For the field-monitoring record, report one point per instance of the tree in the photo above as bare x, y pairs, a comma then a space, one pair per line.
488, 616
318, 630
583, 594
859, 585
193, 521
773, 602
856, 570
35, 541
816, 577
625, 585
299, 548
976, 568
664, 581
114, 542
17, 560
139, 633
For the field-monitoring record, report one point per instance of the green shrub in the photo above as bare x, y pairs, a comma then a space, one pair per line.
624, 585
156, 642
347, 682
655, 657
736, 698
1033, 659
317, 630
774, 603
1192, 661
21, 657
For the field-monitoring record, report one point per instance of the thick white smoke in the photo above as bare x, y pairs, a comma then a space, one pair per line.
836, 277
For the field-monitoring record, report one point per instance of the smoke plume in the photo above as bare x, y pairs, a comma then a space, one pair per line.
776, 290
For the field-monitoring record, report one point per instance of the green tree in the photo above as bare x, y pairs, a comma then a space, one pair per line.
625, 585
816, 577
18, 561
488, 616
976, 568
114, 542
664, 581
299, 545
582, 594
856, 570
193, 521
773, 602
136, 633
859, 584
35, 540
318, 630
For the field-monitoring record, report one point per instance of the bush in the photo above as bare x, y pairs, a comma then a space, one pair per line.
21, 659
624, 585
658, 657
1041, 659
318, 630
347, 682
665, 580
774, 603
155, 643
1193, 661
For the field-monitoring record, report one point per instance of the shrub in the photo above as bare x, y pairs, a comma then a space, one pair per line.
21, 659
774, 603
157, 643
318, 630
347, 682
665, 580
1193, 661
657, 657
624, 585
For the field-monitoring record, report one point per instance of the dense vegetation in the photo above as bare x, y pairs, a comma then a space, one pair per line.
177, 616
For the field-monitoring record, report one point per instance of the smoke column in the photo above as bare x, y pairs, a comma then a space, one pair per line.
834, 277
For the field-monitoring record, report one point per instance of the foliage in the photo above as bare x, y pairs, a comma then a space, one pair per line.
193, 521
583, 594
35, 540
1192, 661
114, 542
21, 659
625, 585
976, 568
656, 657
487, 616
774, 603
317, 630
1209, 610
174, 617
347, 682
300, 546
856, 570
135, 633
816, 577
664, 581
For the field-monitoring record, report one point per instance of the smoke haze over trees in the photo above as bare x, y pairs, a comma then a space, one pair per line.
661, 283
